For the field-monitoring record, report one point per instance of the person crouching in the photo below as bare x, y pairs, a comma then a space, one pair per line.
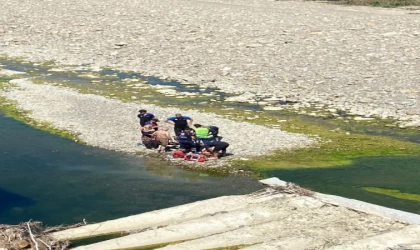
217, 148
162, 137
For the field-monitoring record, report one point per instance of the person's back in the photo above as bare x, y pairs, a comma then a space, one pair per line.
162, 134
202, 133
163, 137
217, 147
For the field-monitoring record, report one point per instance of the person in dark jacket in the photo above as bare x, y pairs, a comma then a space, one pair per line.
186, 141
180, 122
145, 117
218, 148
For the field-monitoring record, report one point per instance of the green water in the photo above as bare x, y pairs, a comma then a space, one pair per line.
48, 178
400, 173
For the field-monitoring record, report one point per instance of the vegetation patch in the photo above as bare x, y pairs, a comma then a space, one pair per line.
393, 193
95, 239
232, 247
378, 3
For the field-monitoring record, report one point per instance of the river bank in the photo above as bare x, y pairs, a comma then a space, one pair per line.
112, 124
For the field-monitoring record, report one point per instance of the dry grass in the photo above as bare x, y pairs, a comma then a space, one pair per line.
378, 3
32, 235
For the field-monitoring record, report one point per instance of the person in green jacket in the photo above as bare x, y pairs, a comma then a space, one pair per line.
201, 132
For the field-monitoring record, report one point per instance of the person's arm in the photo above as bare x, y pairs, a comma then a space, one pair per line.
190, 121
169, 136
170, 120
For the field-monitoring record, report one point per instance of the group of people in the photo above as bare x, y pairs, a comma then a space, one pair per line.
204, 140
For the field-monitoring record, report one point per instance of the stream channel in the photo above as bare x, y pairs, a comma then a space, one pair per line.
48, 178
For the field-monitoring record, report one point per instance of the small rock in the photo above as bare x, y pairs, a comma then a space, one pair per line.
274, 181
121, 44
359, 118
22, 244
272, 108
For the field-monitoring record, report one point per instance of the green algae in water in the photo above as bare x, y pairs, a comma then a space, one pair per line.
387, 172
393, 193
91, 240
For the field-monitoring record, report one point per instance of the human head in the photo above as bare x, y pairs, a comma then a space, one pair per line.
197, 125
178, 115
142, 111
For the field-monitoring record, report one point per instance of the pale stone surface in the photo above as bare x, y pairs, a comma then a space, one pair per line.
274, 181
10, 72
277, 222
361, 60
162, 217
406, 238
85, 114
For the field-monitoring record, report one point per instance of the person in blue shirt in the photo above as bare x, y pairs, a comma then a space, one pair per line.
180, 122
145, 117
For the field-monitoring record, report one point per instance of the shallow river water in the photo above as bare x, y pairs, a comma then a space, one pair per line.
52, 179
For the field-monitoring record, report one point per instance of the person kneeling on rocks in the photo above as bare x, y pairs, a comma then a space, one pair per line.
185, 140
217, 148
147, 139
162, 137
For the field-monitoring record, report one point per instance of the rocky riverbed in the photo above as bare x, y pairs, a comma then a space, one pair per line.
361, 60
112, 124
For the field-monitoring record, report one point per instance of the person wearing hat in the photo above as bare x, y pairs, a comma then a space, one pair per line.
145, 117
180, 122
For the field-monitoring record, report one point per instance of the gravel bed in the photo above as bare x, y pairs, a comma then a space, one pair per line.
362, 60
112, 124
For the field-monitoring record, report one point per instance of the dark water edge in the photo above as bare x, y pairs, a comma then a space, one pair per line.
48, 178
388, 172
